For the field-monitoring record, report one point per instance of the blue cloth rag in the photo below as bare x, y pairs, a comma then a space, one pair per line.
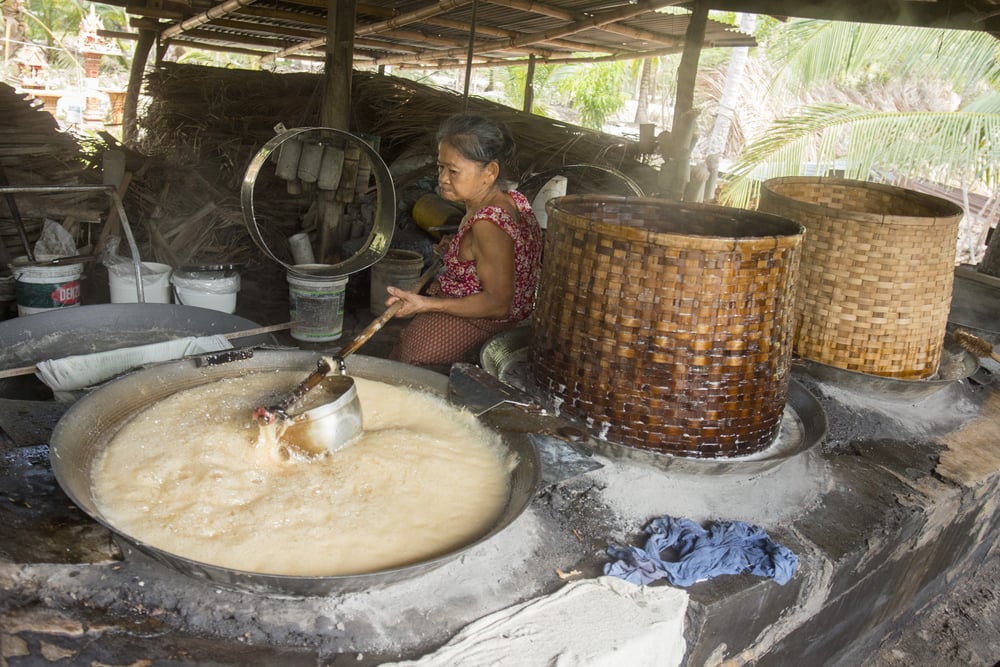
725, 547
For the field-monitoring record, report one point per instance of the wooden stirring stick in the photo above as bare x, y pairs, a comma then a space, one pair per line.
389, 313
270, 414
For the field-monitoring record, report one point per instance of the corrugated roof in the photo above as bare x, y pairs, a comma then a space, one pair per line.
418, 33
421, 34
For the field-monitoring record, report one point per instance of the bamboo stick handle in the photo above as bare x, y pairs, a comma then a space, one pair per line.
28, 370
370, 330
389, 313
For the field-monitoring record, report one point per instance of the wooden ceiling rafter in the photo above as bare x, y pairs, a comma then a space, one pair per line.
395, 22
507, 34
414, 34
216, 12
629, 11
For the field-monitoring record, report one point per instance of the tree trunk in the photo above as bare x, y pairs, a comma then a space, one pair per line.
731, 90
14, 29
685, 115
130, 117
990, 264
642, 99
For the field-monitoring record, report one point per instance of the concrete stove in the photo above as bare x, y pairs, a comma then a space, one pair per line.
897, 502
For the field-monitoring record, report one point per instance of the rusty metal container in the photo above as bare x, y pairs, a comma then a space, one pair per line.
878, 264
666, 326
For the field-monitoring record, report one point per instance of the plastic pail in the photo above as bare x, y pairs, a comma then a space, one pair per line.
214, 289
42, 288
399, 268
317, 306
155, 284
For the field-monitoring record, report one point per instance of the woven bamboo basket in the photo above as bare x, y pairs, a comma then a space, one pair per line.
666, 326
878, 263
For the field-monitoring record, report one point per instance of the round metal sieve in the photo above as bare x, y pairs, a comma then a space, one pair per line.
378, 240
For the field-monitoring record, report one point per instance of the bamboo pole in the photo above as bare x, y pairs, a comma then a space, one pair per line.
216, 12
529, 85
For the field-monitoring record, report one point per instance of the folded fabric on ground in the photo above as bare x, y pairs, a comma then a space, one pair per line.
724, 547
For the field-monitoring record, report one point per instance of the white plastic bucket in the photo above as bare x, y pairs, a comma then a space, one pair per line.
42, 288
206, 288
399, 268
317, 306
155, 283
554, 187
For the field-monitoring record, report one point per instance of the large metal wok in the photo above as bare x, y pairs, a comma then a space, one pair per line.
87, 427
62, 332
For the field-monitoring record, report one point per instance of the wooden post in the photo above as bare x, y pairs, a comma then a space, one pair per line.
130, 121
335, 112
336, 106
529, 84
472, 51
685, 115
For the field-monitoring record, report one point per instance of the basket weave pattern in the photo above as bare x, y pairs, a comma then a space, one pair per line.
666, 326
878, 263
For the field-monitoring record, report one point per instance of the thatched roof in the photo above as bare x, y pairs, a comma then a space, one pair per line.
204, 125
225, 116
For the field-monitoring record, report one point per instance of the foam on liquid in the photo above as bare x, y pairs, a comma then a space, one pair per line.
192, 476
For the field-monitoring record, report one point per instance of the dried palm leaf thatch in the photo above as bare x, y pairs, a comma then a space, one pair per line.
35, 152
224, 116
179, 217
406, 114
220, 118
215, 120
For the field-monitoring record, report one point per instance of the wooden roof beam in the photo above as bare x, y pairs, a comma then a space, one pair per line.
249, 40
515, 62
443, 41
284, 15
558, 13
628, 11
263, 29
505, 34
216, 12
395, 22
194, 44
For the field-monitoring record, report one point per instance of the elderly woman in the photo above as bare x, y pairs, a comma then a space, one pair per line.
491, 264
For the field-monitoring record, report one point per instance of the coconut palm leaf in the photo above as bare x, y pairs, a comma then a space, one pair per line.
914, 144
812, 51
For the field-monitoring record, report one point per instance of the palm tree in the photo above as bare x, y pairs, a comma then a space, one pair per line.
945, 133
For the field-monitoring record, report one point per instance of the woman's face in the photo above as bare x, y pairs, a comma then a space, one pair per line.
461, 179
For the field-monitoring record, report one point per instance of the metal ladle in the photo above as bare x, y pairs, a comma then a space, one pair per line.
337, 421
327, 427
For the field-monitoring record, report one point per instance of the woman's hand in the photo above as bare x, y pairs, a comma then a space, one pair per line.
413, 303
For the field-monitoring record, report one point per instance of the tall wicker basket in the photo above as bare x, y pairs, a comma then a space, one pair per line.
878, 263
666, 326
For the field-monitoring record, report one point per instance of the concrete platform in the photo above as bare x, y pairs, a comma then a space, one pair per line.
896, 504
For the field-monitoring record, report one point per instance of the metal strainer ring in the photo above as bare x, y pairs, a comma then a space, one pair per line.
378, 239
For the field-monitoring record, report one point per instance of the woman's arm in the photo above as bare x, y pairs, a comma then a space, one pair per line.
493, 251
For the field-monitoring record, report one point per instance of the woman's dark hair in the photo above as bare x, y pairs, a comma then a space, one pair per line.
479, 140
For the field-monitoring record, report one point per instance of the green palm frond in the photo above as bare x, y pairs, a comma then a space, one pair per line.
986, 103
819, 51
924, 144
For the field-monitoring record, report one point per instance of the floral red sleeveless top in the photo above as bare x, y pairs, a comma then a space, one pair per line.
459, 277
